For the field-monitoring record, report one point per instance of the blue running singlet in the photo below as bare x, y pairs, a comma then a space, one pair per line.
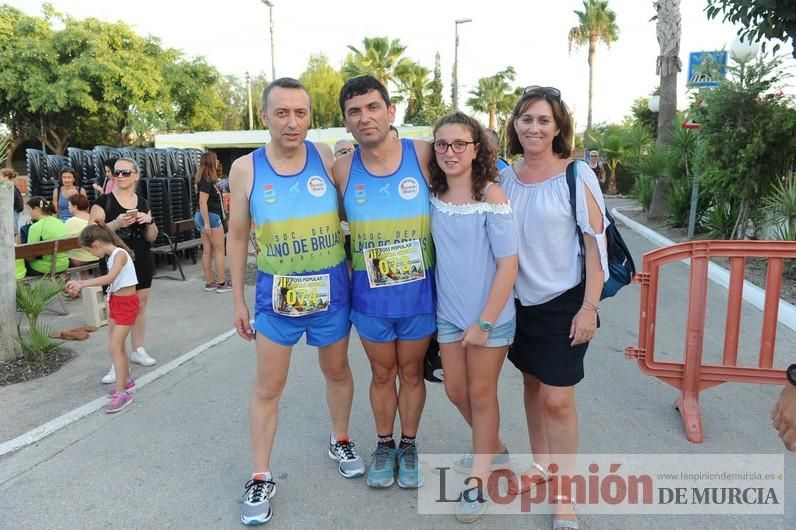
301, 264
392, 251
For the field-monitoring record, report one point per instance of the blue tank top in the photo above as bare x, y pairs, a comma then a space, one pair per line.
297, 228
63, 206
391, 247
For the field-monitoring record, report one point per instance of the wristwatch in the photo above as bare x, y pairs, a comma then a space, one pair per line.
790, 373
484, 325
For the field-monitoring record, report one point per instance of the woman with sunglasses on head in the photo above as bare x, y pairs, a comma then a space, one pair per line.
61, 194
476, 244
125, 212
557, 289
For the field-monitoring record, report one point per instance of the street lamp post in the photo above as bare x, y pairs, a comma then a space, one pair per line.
270, 5
249, 98
456, 61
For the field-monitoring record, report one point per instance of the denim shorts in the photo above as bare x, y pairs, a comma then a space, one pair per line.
215, 220
502, 335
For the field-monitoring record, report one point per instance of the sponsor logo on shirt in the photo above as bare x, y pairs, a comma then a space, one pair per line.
359, 194
316, 186
269, 194
408, 188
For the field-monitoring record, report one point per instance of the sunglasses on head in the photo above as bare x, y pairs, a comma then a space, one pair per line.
549, 91
122, 172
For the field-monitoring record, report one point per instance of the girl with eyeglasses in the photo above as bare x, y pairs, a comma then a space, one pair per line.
128, 214
476, 245
557, 290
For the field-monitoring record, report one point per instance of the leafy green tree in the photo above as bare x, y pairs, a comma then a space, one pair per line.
379, 57
323, 83
493, 94
595, 23
433, 107
769, 19
747, 141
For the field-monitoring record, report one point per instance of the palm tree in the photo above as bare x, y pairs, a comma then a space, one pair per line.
668, 64
595, 23
492, 94
379, 57
413, 82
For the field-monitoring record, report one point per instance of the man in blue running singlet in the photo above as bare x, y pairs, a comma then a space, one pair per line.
285, 189
385, 194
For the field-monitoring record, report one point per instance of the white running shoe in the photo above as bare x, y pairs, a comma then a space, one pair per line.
110, 377
141, 357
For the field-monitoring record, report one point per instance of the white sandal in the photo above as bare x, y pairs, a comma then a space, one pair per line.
565, 523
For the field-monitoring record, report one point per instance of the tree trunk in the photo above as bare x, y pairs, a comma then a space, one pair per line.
668, 64
492, 120
8, 282
592, 52
16, 141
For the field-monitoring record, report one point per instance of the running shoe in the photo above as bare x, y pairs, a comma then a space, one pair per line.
129, 387
140, 356
223, 287
409, 473
471, 506
382, 467
210, 287
256, 508
350, 464
110, 377
464, 464
119, 401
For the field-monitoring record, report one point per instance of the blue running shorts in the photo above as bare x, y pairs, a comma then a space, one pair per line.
380, 329
322, 328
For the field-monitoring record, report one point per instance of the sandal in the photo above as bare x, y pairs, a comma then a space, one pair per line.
565, 523
515, 488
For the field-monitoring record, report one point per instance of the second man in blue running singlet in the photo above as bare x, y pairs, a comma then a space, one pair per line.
384, 189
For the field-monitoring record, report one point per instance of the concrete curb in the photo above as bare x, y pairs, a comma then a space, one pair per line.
42, 431
752, 294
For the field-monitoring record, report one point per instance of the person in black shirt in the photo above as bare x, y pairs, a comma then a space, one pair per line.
208, 219
19, 204
127, 213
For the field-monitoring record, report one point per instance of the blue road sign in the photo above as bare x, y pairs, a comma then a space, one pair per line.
706, 77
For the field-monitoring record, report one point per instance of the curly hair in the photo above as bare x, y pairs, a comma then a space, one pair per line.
484, 164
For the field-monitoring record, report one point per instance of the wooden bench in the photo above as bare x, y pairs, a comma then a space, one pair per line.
172, 246
52, 248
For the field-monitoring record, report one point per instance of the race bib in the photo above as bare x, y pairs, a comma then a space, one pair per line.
297, 296
391, 265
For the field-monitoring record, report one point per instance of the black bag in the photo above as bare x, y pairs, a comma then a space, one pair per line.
224, 222
432, 366
621, 268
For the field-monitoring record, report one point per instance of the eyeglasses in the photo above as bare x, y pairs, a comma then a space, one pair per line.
123, 172
549, 91
458, 146
343, 151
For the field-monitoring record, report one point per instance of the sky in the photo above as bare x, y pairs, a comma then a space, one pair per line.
530, 35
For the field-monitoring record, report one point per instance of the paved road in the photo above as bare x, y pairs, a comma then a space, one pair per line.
179, 456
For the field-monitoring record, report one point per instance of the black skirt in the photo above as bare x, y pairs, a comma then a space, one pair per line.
542, 344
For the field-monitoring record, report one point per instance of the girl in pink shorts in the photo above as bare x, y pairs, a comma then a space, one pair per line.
123, 302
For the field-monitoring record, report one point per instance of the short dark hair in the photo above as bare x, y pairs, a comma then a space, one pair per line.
80, 201
562, 143
358, 86
282, 82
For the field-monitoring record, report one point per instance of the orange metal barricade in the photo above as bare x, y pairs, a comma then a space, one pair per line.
691, 376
